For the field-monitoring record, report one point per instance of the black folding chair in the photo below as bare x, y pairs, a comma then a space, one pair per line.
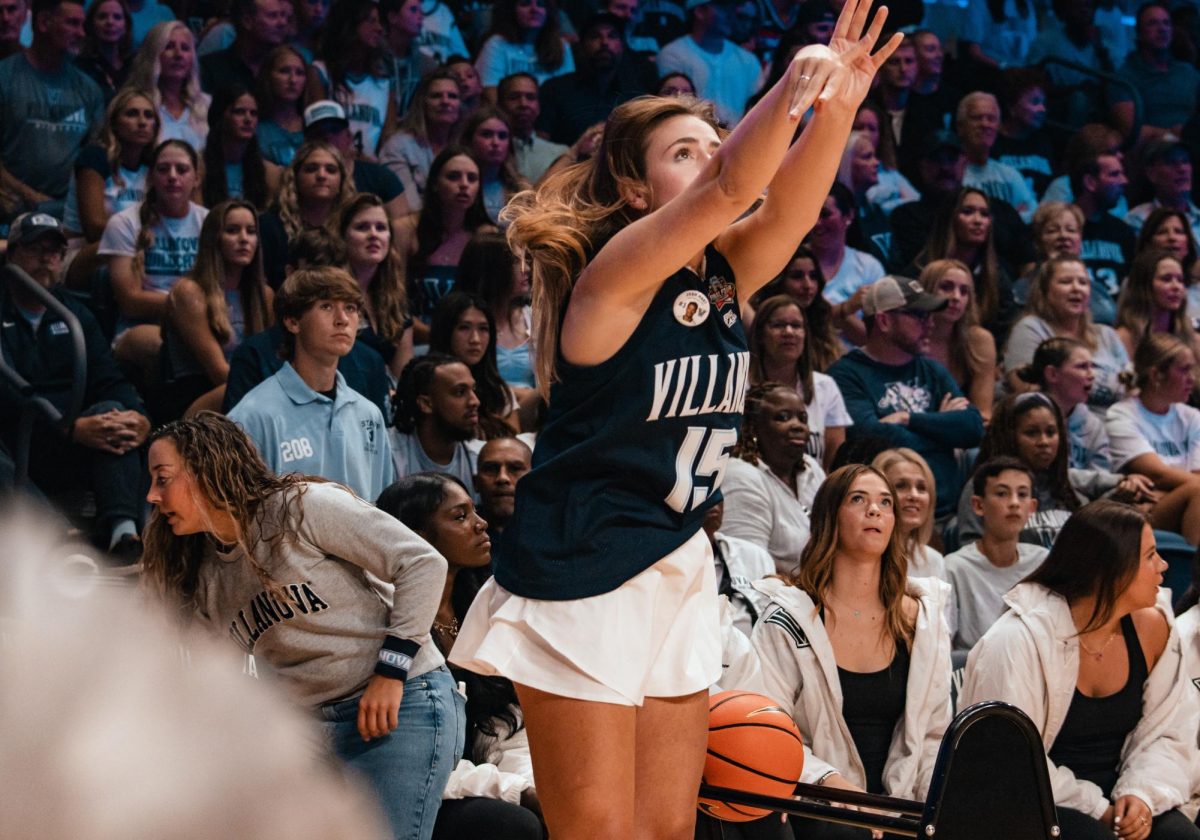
989, 783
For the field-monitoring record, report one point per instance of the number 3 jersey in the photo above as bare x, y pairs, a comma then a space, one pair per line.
635, 448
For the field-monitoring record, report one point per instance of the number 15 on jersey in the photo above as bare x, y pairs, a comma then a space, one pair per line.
700, 466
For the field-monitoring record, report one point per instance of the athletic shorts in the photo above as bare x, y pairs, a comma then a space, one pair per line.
656, 635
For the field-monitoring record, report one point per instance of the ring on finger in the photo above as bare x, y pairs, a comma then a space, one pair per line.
804, 78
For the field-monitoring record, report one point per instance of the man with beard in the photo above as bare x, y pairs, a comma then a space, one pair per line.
47, 107
1098, 183
305, 418
517, 97
99, 450
602, 80
501, 463
437, 412
894, 391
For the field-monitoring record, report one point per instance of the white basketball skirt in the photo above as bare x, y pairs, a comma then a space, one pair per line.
656, 635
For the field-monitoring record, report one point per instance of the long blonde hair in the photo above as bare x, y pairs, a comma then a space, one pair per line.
145, 69
209, 274
887, 459
573, 213
108, 135
960, 353
815, 573
287, 203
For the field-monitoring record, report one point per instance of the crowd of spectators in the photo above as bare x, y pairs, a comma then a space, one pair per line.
291, 212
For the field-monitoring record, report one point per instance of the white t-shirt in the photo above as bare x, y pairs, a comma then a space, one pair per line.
927, 562
761, 509
499, 57
1133, 430
727, 78
1008, 41
366, 99
858, 268
826, 410
999, 180
117, 196
1108, 359
172, 253
183, 129
979, 588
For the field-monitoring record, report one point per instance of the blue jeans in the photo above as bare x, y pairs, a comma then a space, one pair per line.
409, 767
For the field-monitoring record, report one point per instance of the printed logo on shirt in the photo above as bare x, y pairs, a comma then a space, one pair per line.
784, 621
720, 291
370, 427
59, 328
265, 610
905, 396
295, 449
172, 256
691, 308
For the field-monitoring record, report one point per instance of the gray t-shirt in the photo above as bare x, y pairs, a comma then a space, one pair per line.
409, 457
1109, 358
44, 120
979, 588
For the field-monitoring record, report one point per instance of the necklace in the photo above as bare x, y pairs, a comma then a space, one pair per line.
448, 630
1098, 654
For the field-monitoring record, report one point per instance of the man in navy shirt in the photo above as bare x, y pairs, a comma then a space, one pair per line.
99, 451
893, 391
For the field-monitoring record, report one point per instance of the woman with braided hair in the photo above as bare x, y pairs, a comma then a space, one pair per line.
149, 247
771, 479
332, 595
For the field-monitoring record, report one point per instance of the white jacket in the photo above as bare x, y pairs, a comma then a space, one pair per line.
1188, 627
799, 671
508, 773
1030, 658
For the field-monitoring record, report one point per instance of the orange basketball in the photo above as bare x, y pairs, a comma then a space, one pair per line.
753, 745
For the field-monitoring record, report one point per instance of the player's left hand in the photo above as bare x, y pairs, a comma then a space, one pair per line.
852, 43
379, 708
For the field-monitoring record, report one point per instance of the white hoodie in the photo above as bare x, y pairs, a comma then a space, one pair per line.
1188, 626
798, 670
1030, 658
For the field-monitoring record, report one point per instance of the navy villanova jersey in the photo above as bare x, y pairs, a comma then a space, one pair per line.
635, 448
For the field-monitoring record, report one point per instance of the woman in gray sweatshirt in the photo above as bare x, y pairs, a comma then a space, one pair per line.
334, 597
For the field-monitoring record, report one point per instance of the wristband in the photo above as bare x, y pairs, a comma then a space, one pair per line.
396, 657
825, 776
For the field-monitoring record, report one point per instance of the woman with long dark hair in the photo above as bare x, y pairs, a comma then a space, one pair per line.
526, 37
490, 270
233, 164
1154, 300
869, 687
463, 327
224, 299
280, 95
479, 800
107, 45
780, 352
488, 134
1030, 428
640, 256
804, 281
353, 69
1087, 650
963, 231
347, 593
431, 241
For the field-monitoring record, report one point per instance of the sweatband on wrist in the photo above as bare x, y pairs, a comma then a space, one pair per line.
396, 657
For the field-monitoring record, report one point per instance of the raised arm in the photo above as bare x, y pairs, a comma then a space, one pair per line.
759, 246
615, 289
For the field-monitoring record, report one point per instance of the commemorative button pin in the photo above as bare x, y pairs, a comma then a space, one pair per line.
691, 308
